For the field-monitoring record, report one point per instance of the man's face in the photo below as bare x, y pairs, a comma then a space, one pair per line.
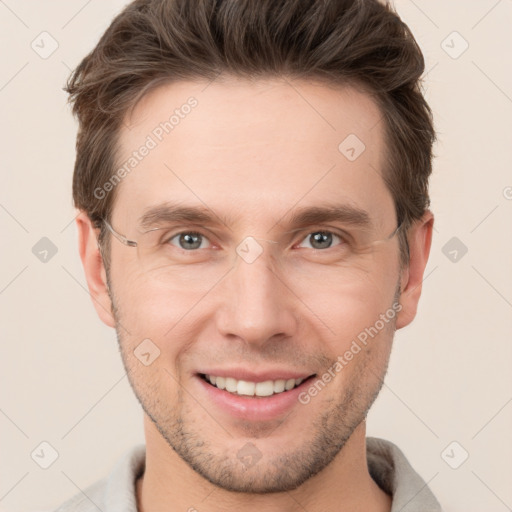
288, 304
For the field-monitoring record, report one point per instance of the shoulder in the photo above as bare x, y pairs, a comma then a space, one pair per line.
115, 490
390, 469
89, 500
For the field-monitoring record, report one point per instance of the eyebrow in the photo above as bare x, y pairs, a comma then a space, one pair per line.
348, 214
303, 216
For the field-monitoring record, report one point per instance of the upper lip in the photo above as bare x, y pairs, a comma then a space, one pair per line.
252, 376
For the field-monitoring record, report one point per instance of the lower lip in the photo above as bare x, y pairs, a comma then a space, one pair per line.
253, 408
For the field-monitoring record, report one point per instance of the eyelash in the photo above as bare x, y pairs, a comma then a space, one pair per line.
342, 237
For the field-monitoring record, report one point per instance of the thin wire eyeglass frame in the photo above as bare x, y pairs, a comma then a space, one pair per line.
132, 243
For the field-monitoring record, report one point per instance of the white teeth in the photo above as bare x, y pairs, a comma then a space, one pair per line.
265, 388
230, 384
243, 387
279, 386
289, 384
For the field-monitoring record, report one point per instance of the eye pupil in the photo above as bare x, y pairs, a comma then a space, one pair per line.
193, 240
324, 239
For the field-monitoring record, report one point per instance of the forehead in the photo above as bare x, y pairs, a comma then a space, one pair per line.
255, 148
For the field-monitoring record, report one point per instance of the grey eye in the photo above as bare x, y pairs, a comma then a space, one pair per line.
188, 240
321, 239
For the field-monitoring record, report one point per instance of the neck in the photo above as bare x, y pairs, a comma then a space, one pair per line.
345, 484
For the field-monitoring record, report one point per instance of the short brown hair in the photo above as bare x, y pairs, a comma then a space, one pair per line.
356, 42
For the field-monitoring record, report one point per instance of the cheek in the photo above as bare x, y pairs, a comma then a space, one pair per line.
152, 310
348, 305
153, 306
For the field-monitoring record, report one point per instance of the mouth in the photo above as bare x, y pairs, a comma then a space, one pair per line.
252, 389
255, 397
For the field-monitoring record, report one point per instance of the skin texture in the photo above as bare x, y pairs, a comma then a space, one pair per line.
253, 152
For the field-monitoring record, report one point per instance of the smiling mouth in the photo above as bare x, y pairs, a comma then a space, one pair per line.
253, 389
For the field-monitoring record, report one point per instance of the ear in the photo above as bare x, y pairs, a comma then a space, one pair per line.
94, 268
420, 239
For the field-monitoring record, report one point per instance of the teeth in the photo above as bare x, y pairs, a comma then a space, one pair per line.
279, 386
220, 382
264, 388
231, 385
290, 383
243, 387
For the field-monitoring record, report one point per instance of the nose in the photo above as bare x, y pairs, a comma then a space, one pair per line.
257, 302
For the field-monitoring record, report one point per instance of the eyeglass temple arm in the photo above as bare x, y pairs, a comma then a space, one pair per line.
397, 229
121, 238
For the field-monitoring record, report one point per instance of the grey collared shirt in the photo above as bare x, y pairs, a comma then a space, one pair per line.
387, 465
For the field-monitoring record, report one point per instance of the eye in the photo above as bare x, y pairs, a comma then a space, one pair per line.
321, 239
188, 240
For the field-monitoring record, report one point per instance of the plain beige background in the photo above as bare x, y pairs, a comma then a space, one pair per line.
62, 381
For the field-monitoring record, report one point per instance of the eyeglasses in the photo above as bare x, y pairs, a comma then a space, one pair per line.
157, 251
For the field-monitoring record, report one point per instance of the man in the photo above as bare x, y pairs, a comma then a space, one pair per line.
252, 180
